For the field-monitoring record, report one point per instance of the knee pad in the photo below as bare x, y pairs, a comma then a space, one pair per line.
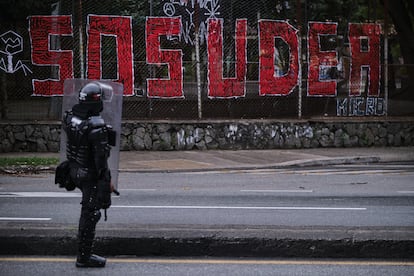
95, 216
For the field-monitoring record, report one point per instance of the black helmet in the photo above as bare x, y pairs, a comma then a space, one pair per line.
91, 97
91, 93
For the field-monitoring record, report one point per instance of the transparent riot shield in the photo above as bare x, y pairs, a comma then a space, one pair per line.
112, 113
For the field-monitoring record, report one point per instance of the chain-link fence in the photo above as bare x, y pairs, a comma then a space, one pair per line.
310, 95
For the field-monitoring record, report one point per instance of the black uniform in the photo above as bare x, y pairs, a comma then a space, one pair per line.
88, 150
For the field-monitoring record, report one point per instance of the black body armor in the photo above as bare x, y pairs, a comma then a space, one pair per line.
89, 141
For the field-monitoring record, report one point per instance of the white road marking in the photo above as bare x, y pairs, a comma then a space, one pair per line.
39, 194
25, 219
240, 207
405, 192
138, 190
346, 172
276, 191
338, 171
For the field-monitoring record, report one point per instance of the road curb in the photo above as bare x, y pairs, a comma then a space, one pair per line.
234, 241
214, 247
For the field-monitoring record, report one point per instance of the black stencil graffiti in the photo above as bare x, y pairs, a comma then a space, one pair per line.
11, 44
192, 12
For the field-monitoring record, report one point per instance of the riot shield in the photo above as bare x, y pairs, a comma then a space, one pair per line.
112, 113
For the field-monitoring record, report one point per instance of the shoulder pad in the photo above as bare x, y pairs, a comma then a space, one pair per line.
69, 120
96, 121
75, 121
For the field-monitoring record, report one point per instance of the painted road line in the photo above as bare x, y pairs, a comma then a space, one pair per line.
24, 219
339, 171
276, 191
219, 261
39, 194
138, 190
263, 262
405, 192
241, 207
347, 172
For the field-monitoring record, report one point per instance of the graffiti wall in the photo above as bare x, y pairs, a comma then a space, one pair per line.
242, 58
320, 62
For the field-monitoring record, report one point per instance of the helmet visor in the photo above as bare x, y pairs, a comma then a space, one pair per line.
107, 92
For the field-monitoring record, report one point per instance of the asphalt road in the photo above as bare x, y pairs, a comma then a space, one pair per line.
180, 266
373, 196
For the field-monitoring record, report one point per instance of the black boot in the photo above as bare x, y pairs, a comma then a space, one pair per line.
86, 237
85, 257
90, 261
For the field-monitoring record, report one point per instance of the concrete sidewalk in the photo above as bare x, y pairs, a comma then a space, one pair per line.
37, 238
162, 161
182, 161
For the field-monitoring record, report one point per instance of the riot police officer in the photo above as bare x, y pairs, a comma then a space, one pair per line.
89, 141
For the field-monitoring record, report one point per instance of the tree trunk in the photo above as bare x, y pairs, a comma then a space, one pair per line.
400, 12
3, 96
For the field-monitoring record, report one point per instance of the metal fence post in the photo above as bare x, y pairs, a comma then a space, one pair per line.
300, 77
198, 69
81, 50
299, 19
386, 57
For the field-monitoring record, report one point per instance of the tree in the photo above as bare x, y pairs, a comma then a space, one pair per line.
20, 9
402, 14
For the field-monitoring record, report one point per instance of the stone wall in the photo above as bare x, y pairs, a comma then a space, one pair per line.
253, 134
32, 137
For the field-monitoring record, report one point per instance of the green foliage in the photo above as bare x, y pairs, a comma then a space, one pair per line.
15, 10
343, 10
27, 161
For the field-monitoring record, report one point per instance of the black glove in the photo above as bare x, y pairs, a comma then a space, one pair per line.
63, 177
104, 190
104, 194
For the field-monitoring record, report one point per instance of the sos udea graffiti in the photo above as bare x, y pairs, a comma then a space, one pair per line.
364, 54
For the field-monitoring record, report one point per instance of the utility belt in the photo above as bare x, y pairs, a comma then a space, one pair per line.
70, 174
79, 173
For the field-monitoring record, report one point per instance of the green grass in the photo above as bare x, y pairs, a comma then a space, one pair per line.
27, 161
